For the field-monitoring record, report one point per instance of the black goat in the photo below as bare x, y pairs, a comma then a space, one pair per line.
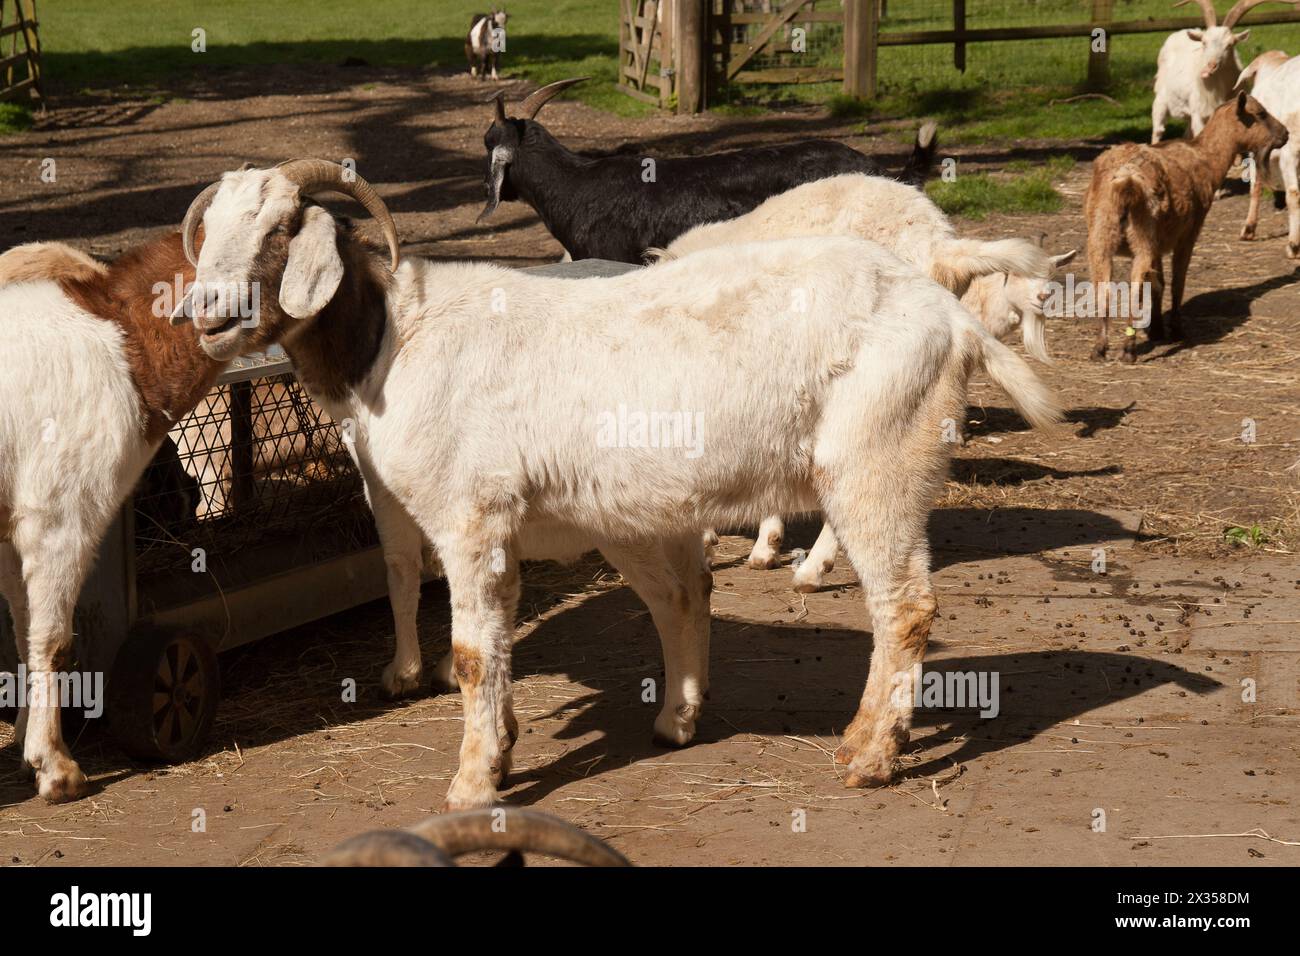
616, 207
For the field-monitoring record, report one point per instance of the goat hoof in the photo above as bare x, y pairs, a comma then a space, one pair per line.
469, 796
807, 587
867, 773
1128, 358
63, 782
764, 562
675, 728
844, 754
1247, 233
1293, 250
399, 681
1098, 355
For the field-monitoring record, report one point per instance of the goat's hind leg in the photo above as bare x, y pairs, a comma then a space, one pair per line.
14, 594
879, 510
483, 577
673, 580
55, 560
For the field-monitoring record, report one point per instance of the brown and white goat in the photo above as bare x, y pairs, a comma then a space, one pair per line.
95, 377
1149, 201
485, 42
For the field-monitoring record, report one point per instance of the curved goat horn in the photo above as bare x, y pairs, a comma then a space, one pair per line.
1207, 8
1241, 8
539, 98
499, 98
512, 829
193, 218
320, 175
386, 848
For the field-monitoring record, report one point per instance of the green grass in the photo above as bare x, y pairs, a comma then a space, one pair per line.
144, 46
1022, 187
14, 117
1009, 91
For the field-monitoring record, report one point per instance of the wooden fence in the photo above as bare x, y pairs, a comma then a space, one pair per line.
20, 67
677, 53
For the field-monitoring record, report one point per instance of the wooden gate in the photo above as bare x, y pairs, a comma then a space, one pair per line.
645, 47
18, 22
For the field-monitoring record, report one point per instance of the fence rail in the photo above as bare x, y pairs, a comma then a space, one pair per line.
703, 46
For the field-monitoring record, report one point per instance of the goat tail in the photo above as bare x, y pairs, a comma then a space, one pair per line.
959, 261
1129, 197
918, 166
1033, 399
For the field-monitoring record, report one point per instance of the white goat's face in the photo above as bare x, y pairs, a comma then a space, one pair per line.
1217, 45
266, 259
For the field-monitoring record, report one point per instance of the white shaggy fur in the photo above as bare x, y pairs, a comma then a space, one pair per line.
1003, 283
1276, 81
900, 218
478, 426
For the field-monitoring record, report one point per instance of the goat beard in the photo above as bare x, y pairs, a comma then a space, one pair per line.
501, 158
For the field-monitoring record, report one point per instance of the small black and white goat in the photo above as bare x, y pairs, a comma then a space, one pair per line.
485, 42
617, 207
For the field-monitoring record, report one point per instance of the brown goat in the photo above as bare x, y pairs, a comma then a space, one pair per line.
1146, 201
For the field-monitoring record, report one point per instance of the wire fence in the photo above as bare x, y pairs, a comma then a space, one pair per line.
809, 45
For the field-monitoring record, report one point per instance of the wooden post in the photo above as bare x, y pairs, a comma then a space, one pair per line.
860, 28
959, 27
1099, 63
689, 27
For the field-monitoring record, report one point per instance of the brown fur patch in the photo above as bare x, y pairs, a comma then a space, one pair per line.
916, 620
170, 371
469, 666
343, 343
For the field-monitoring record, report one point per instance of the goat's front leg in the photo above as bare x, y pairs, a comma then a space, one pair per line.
403, 544
766, 553
675, 583
1252, 211
483, 577
809, 576
1291, 181
1159, 113
1179, 262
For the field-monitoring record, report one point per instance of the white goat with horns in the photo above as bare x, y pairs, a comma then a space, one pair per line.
481, 398
1197, 70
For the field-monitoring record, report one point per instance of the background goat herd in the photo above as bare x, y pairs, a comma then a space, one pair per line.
785, 326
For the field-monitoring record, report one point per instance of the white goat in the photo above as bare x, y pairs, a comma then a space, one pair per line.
484, 400
1197, 70
1276, 81
1004, 282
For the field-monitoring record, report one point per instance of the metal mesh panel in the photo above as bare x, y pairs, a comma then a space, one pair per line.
255, 463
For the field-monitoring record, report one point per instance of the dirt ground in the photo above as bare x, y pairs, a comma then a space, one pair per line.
1122, 697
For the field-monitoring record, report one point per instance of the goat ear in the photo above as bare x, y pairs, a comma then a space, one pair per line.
314, 270
1240, 37
1243, 100
1196, 35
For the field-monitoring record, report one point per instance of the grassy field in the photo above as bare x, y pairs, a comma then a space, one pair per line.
1009, 91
